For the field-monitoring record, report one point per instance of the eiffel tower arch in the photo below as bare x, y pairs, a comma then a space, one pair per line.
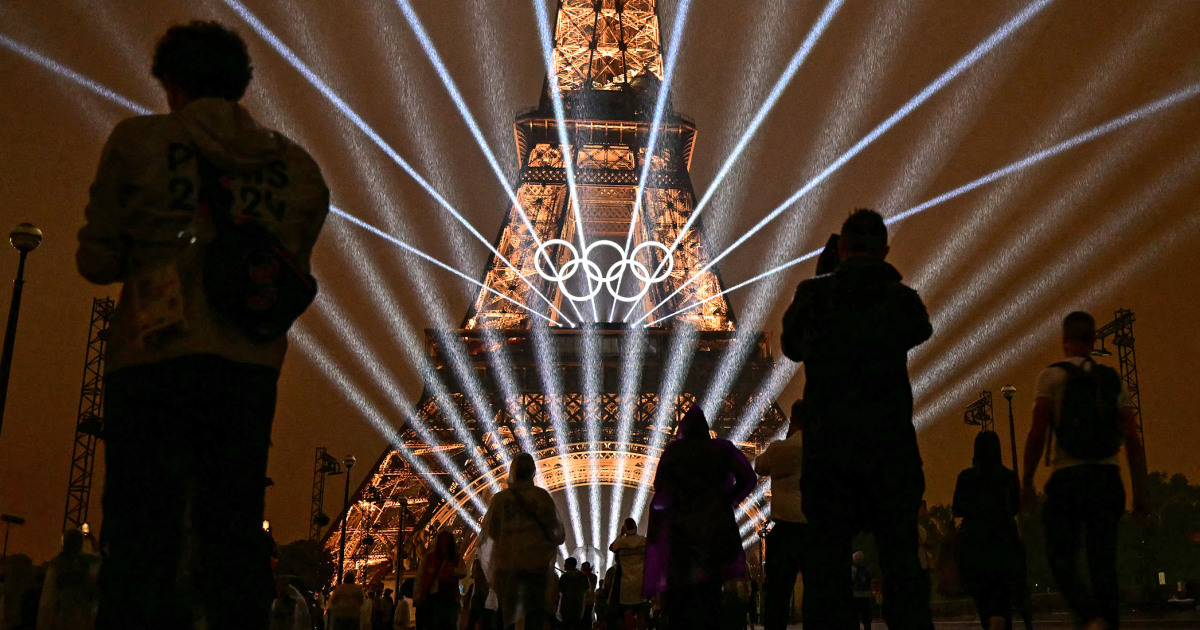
595, 429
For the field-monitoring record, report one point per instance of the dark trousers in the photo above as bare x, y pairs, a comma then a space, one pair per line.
185, 463
863, 612
1085, 502
785, 553
693, 606
838, 504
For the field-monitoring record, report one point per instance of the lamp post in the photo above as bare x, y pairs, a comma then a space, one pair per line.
348, 462
1008, 391
25, 238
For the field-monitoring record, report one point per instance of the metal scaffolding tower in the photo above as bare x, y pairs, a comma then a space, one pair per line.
1121, 331
89, 422
324, 465
979, 413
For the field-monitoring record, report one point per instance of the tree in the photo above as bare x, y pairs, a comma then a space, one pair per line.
308, 561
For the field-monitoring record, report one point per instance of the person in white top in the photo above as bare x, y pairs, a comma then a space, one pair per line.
1086, 410
785, 542
630, 547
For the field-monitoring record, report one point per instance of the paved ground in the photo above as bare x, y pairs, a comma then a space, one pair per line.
1156, 622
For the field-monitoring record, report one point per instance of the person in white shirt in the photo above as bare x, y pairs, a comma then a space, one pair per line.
630, 547
785, 542
1085, 495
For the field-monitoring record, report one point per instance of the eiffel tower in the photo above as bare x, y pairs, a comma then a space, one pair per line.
563, 259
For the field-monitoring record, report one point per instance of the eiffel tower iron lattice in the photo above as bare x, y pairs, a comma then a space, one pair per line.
609, 65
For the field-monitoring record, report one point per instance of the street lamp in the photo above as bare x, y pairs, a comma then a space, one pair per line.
25, 238
1008, 391
348, 462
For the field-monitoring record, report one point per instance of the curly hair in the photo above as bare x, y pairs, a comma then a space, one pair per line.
205, 59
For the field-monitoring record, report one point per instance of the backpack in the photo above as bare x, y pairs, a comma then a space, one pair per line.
249, 277
1089, 426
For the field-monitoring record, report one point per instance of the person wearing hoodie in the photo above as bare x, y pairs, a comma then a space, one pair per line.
190, 395
861, 467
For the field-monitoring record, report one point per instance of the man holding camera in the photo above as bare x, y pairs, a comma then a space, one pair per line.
853, 329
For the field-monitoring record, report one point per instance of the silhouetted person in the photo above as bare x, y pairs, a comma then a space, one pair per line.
345, 604
632, 605
405, 617
785, 542
190, 393
437, 584
695, 545
589, 600
521, 533
1087, 409
987, 499
572, 591
289, 611
479, 615
861, 587
853, 329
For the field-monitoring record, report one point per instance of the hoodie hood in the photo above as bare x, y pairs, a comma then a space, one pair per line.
226, 134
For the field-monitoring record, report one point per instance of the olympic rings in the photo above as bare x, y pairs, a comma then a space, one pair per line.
603, 278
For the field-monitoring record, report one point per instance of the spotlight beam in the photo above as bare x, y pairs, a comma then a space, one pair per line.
1155, 107
631, 378
413, 250
772, 386
501, 363
410, 15
76, 78
339, 104
683, 345
350, 391
546, 38
660, 106
351, 336
547, 353
592, 417
958, 68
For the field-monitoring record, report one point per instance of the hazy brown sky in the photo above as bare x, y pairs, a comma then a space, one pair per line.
1110, 223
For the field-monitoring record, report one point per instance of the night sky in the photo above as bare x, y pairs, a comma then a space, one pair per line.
1108, 223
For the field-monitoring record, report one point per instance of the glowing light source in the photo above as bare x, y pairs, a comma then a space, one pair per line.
965, 62
605, 279
335, 100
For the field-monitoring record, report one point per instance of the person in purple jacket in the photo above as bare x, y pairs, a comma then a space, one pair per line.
694, 543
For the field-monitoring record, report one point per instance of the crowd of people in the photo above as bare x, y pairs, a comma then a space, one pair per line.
208, 220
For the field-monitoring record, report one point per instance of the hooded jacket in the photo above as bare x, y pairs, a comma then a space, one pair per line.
142, 216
